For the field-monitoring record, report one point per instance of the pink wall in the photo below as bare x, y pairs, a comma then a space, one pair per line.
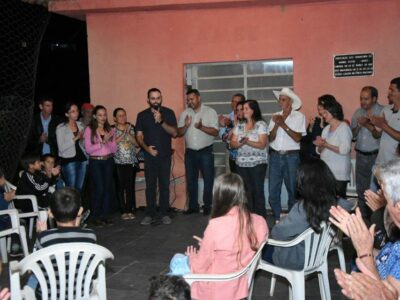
130, 52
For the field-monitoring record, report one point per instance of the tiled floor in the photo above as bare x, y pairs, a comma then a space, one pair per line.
141, 252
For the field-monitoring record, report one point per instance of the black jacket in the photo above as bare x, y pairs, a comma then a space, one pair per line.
34, 145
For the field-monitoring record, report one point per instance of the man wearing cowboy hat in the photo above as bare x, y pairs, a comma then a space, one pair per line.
286, 129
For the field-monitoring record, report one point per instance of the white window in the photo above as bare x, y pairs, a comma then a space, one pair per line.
218, 82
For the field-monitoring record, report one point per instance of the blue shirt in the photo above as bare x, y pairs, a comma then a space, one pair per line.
388, 261
45, 125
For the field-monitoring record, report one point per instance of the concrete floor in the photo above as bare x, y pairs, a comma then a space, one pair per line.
141, 252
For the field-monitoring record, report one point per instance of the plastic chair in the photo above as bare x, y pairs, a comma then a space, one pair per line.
5, 235
75, 265
337, 243
316, 248
248, 270
351, 191
29, 215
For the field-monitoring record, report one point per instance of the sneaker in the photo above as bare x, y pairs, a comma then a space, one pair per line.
16, 251
97, 223
146, 221
166, 220
125, 216
191, 211
131, 216
107, 221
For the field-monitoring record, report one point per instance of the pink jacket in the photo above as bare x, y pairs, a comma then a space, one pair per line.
98, 149
218, 255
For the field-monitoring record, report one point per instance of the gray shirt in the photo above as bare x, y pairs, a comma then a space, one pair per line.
364, 139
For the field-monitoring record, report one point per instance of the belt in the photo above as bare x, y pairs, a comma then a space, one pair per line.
368, 153
205, 148
283, 152
105, 157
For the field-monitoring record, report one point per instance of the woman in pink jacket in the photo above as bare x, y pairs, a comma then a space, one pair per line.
100, 145
230, 241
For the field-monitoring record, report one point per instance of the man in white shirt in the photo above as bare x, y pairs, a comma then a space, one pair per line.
199, 125
286, 129
389, 125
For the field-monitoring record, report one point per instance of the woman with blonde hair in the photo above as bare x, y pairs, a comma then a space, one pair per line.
231, 239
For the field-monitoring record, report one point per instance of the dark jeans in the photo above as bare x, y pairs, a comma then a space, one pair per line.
101, 176
199, 160
364, 164
253, 178
282, 167
126, 175
157, 169
232, 166
341, 188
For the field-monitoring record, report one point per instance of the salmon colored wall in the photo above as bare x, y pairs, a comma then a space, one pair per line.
130, 52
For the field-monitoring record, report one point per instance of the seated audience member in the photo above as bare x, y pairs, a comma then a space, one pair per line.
48, 164
316, 187
166, 287
5, 199
231, 239
5, 292
34, 182
365, 286
65, 208
384, 264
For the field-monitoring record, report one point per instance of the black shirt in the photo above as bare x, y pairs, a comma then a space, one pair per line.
154, 134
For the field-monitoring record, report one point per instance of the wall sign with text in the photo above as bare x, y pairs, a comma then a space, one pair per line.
352, 65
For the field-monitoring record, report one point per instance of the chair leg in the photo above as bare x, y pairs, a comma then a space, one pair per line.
3, 250
22, 237
272, 288
31, 227
342, 261
298, 287
324, 283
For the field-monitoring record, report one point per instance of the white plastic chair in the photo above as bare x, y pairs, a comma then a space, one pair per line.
76, 265
248, 270
316, 248
351, 191
337, 242
29, 215
5, 235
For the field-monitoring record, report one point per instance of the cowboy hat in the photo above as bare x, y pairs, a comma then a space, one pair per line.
289, 93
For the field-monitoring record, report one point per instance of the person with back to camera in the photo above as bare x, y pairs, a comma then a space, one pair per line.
316, 188
230, 241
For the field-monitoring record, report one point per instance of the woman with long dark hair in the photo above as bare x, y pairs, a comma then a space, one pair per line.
250, 138
71, 149
316, 188
125, 159
231, 239
334, 144
100, 145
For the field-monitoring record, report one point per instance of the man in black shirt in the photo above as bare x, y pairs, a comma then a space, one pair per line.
155, 127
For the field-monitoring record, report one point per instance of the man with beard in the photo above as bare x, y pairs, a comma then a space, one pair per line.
199, 124
155, 126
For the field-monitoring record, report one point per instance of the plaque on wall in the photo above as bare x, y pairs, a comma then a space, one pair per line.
353, 65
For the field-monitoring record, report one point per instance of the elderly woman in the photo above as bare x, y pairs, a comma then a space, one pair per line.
385, 264
334, 144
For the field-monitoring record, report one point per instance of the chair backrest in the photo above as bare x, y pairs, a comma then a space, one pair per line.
248, 270
316, 246
66, 271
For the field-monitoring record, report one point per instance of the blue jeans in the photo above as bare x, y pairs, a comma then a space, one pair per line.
282, 167
254, 183
199, 160
74, 174
157, 169
101, 176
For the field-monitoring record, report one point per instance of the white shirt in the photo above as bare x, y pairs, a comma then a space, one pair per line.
195, 138
296, 121
339, 163
388, 145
